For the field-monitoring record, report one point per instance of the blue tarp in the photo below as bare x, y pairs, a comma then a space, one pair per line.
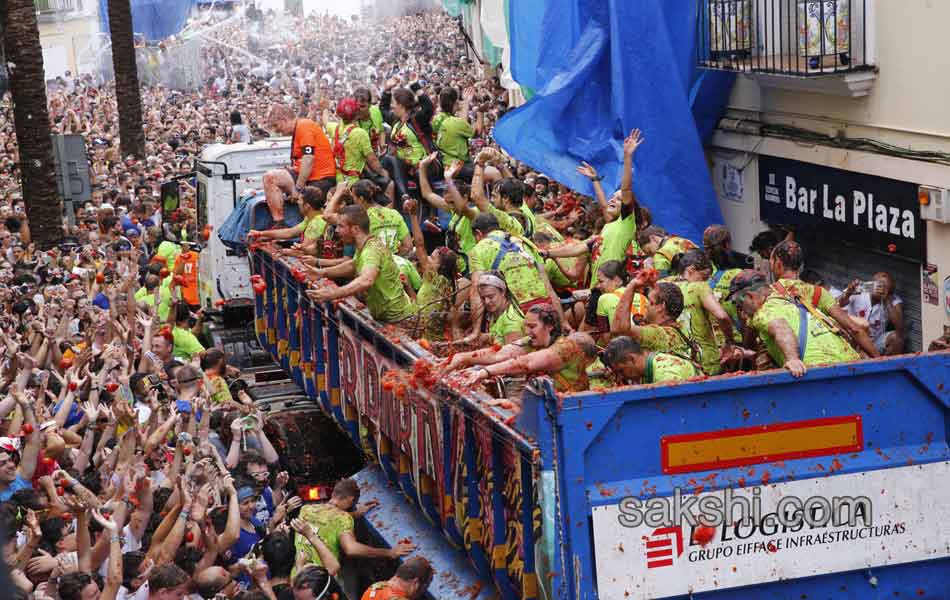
155, 19
251, 210
600, 69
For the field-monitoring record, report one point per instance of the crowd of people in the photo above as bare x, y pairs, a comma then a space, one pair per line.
130, 467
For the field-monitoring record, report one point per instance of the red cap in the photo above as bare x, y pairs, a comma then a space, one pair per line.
347, 108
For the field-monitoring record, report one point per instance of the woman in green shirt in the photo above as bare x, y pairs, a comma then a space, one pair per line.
411, 136
437, 302
453, 131
384, 223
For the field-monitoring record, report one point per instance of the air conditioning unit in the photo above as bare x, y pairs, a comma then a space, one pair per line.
934, 204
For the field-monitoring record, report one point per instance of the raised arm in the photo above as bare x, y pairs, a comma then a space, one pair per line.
630, 146
409, 206
591, 173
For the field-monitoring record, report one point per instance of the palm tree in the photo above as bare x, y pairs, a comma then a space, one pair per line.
27, 80
127, 93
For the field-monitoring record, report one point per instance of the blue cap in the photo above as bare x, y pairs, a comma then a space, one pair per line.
101, 301
245, 492
132, 232
127, 223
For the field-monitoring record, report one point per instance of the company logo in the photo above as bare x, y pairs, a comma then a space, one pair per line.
660, 545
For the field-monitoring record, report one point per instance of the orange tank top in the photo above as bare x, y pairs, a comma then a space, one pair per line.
189, 273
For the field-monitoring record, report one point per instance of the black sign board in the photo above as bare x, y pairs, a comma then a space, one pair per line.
871, 212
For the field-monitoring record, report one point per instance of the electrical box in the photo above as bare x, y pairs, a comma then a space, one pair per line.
934, 204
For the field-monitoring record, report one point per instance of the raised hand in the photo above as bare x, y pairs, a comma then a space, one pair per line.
587, 170
632, 142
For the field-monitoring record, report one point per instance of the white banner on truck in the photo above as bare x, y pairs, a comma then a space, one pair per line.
910, 522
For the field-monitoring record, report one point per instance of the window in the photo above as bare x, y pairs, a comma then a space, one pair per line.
802, 38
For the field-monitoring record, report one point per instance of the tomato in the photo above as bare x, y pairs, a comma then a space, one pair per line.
27, 429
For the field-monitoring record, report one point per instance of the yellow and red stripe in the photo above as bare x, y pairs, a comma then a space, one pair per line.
686, 453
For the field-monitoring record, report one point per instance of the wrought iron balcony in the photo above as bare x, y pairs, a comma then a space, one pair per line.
801, 38
59, 6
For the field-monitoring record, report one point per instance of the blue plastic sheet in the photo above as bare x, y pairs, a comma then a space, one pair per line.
155, 19
599, 70
252, 208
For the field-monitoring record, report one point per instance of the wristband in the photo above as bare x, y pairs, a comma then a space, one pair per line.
487, 372
184, 515
598, 178
116, 538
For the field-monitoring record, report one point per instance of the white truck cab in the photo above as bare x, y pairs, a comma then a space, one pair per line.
226, 173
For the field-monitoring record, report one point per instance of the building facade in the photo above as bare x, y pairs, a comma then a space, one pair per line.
837, 127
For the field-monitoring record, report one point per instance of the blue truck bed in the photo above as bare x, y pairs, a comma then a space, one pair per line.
571, 500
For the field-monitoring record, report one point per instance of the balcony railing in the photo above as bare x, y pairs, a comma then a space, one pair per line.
55, 6
787, 37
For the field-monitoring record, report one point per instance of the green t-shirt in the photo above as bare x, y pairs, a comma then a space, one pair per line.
808, 292
356, 147
506, 222
143, 295
697, 325
557, 277
386, 299
670, 247
330, 523
374, 127
572, 377
408, 147
169, 251
520, 267
434, 301
314, 227
663, 338
219, 390
822, 345
663, 367
508, 322
165, 298
388, 225
452, 135
607, 306
462, 227
720, 282
615, 238
186, 344
409, 271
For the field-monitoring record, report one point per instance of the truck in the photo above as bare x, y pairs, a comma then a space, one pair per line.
314, 450
844, 471
581, 496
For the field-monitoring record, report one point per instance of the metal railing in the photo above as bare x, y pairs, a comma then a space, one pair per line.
786, 37
54, 6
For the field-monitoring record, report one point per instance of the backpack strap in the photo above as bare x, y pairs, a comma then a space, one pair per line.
816, 296
506, 247
802, 331
648, 372
716, 278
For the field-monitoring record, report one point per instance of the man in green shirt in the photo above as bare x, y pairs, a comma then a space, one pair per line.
515, 259
370, 120
351, 144
186, 345
169, 251
333, 523
793, 336
372, 272
309, 230
662, 247
662, 332
627, 359
786, 264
